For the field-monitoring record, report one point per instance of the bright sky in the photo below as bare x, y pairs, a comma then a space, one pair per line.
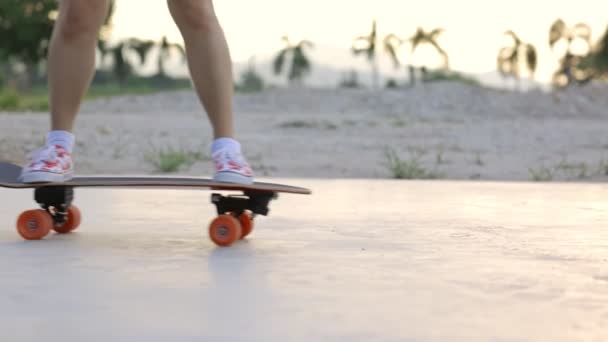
474, 28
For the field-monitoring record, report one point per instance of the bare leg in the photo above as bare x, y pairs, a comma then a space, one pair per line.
72, 57
208, 59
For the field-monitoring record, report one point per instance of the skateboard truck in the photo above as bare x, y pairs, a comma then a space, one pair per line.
55, 200
256, 202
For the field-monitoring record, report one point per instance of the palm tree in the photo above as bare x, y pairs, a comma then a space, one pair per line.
300, 64
107, 23
141, 47
121, 66
510, 58
165, 48
568, 71
421, 37
368, 44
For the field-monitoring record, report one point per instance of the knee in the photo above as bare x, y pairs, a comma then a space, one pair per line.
80, 19
194, 14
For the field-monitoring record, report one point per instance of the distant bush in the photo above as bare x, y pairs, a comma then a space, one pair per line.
251, 81
350, 80
9, 100
13, 101
596, 62
392, 84
441, 75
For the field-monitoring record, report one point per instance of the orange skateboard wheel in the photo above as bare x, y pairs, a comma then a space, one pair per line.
72, 222
246, 224
34, 224
225, 230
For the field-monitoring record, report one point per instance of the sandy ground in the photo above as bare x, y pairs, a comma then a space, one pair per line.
360, 260
448, 130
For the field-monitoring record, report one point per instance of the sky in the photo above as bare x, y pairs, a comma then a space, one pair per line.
474, 29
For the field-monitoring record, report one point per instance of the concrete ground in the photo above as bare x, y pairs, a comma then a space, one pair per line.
358, 260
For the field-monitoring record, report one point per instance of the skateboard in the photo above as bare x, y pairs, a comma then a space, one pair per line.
236, 212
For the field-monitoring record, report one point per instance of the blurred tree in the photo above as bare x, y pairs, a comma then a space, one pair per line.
103, 43
568, 71
106, 28
421, 37
25, 31
300, 64
596, 62
165, 54
367, 45
122, 53
142, 48
511, 58
122, 66
601, 54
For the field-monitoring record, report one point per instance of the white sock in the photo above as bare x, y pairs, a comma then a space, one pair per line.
64, 139
225, 143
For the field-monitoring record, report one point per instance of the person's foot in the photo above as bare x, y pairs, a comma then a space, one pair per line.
51, 163
231, 167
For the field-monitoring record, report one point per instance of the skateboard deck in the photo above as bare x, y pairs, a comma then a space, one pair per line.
235, 212
9, 174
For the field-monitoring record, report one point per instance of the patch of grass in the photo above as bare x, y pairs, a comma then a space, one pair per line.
440, 158
399, 123
603, 168
11, 100
573, 170
407, 169
478, 160
569, 170
455, 148
475, 176
541, 174
109, 90
298, 124
350, 123
37, 98
329, 126
171, 160
103, 130
309, 124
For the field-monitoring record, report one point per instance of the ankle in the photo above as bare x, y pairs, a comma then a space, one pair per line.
225, 143
64, 139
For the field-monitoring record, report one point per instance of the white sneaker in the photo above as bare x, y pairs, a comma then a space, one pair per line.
231, 167
51, 163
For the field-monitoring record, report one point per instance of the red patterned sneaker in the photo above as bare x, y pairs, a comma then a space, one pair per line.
231, 167
51, 163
